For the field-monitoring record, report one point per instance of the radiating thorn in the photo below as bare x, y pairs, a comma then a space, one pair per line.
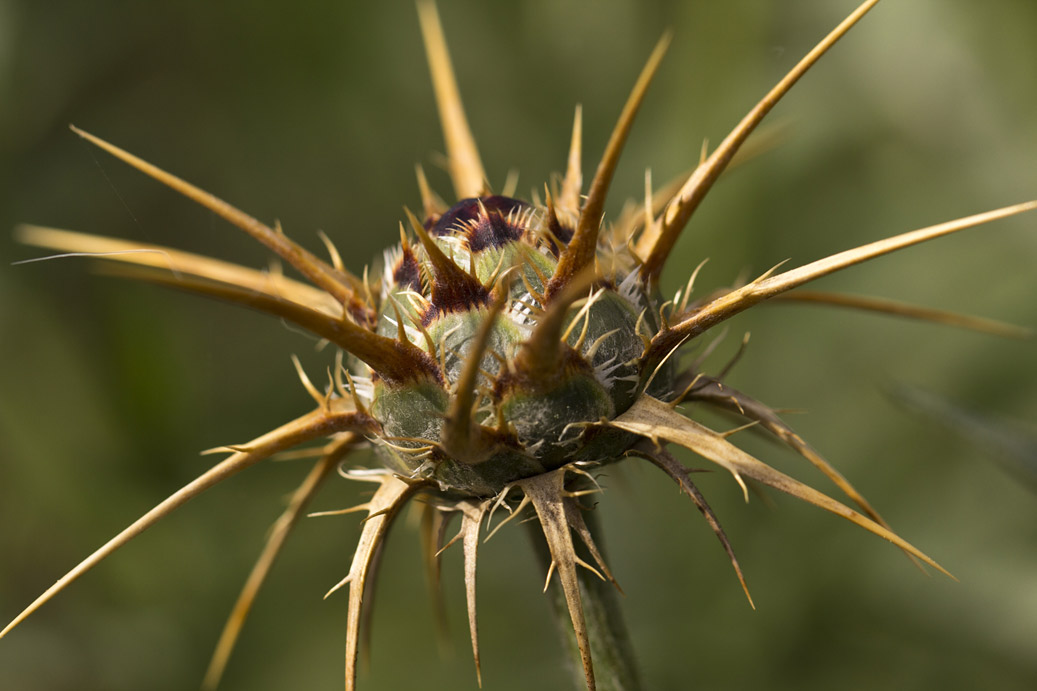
709, 349
746, 406
336, 258
740, 428
645, 339
593, 349
903, 309
734, 360
314, 425
569, 198
178, 265
338, 284
332, 455
472, 514
683, 204
340, 367
508, 190
401, 330
729, 304
321, 399
366, 506
582, 316
518, 510
394, 361
679, 474
581, 562
690, 286
431, 205
768, 273
575, 519
652, 418
545, 492
580, 253
466, 170
662, 361
353, 394
338, 586
392, 494
550, 572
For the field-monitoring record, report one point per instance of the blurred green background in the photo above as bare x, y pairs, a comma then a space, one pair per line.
314, 113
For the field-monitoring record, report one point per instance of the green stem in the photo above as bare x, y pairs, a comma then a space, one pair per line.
615, 668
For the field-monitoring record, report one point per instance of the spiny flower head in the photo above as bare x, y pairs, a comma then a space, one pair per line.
503, 351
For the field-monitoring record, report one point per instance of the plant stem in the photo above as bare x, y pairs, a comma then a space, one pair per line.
615, 668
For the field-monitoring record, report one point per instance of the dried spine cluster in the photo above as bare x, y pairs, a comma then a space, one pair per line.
508, 349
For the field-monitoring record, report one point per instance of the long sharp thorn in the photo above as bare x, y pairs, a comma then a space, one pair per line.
902, 309
579, 526
385, 504
431, 205
336, 283
465, 167
433, 527
314, 425
572, 184
580, 252
178, 263
736, 301
396, 361
470, 522
654, 419
735, 401
679, 474
278, 535
546, 493
655, 247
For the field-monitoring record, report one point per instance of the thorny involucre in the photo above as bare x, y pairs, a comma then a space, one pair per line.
504, 351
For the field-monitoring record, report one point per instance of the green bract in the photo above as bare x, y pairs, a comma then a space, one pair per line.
535, 401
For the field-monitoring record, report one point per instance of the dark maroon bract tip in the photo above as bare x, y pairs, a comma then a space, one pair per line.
491, 230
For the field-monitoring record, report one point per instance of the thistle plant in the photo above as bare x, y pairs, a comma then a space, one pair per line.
504, 352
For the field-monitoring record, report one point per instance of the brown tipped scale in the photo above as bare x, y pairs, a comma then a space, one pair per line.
584, 244
338, 284
321, 471
657, 242
452, 287
315, 425
465, 166
763, 288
